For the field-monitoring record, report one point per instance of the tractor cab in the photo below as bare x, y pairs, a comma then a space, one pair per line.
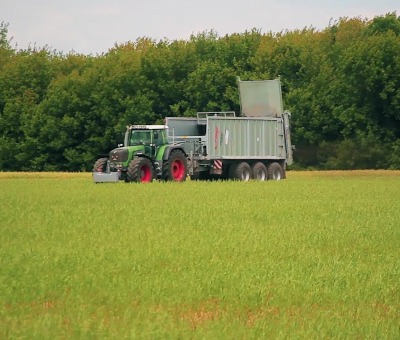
152, 137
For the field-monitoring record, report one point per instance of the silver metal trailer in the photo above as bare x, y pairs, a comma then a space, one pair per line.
256, 145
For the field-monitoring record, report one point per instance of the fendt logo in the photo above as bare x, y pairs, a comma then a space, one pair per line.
114, 157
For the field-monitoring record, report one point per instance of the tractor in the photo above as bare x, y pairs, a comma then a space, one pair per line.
145, 155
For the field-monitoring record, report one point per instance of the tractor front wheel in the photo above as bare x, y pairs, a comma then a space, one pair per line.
140, 170
175, 169
100, 165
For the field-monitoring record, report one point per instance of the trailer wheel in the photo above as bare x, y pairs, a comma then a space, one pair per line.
275, 171
140, 169
175, 169
240, 172
100, 165
259, 171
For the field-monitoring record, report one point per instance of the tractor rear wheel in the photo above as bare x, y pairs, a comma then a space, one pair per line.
175, 168
240, 172
259, 171
275, 171
140, 169
100, 165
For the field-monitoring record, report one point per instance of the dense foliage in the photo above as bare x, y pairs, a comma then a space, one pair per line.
342, 84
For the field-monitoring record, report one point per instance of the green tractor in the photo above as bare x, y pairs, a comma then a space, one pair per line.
146, 155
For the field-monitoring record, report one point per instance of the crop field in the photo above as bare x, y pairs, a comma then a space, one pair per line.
314, 256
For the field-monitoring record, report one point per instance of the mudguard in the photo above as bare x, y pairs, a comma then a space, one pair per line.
169, 149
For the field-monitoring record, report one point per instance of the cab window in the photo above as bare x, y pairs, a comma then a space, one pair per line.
140, 137
157, 137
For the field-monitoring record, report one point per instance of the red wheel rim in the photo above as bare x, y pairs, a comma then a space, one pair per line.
145, 174
178, 170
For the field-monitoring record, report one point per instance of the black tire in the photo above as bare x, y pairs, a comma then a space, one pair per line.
240, 172
275, 171
259, 171
140, 170
100, 165
175, 168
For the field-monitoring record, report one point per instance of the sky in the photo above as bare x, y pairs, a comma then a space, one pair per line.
95, 26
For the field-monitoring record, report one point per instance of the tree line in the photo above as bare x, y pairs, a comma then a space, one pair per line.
60, 111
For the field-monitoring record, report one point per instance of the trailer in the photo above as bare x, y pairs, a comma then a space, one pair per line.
255, 145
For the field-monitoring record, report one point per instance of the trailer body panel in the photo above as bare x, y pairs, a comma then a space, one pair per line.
245, 138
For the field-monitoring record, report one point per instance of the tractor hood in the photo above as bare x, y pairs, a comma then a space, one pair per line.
123, 154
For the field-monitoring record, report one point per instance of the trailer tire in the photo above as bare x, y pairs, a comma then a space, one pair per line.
175, 168
275, 171
259, 171
140, 170
100, 165
240, 172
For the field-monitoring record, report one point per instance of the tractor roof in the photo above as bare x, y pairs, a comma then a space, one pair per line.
147, 127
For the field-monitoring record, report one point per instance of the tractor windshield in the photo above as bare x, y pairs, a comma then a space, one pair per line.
140, 137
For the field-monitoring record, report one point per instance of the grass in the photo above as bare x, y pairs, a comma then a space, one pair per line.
314, 256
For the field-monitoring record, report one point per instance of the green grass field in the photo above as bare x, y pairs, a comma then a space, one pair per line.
313, 256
